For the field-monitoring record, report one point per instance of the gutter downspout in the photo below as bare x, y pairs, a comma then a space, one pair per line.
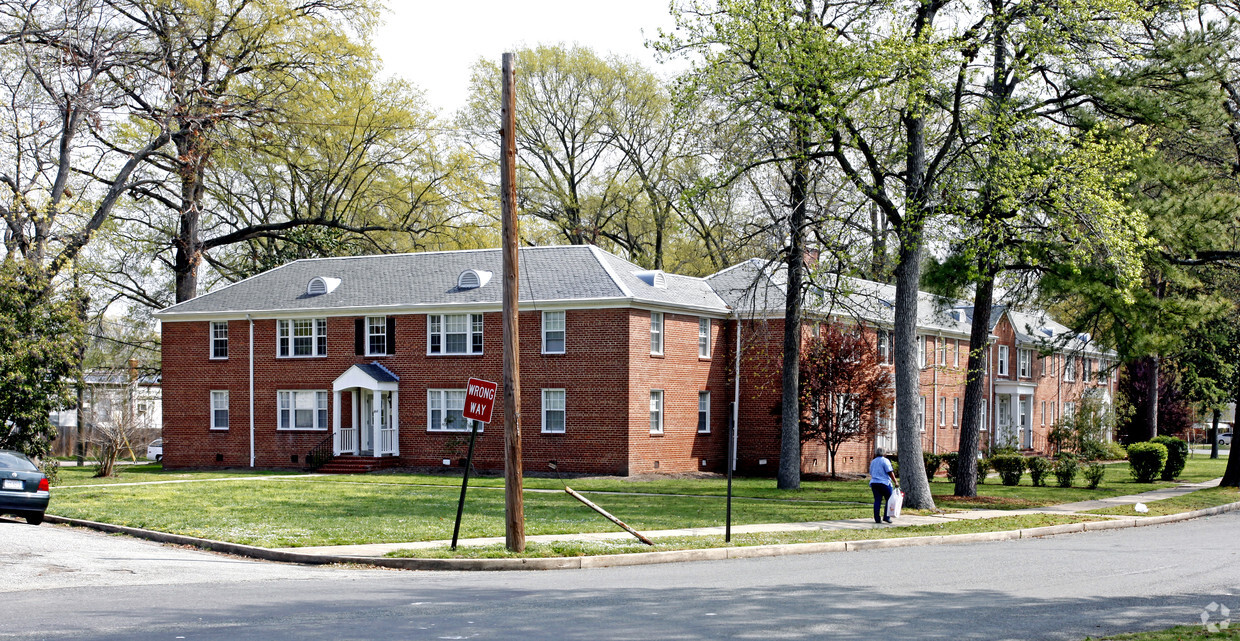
251, 394
736, 396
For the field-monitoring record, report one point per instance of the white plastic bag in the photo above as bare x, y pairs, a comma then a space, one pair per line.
894, 503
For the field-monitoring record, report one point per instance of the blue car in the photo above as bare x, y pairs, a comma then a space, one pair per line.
24, 490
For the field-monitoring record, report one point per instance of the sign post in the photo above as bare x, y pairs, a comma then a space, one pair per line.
479, 401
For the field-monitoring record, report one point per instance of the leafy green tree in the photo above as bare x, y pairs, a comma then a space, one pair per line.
40, 334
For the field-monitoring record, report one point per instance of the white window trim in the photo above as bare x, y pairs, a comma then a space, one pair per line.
563, 330
1003, 360
1024, 363
443, 398
921, 351
704, 338
1043, 412
942, 411
226, 408
1069, 369
704, 394
443, 335
293, 408
662, 396
955, 410
884, 347
316, 324
921, 416
211, 343
956, 352
382, 332
659, 334
563, 410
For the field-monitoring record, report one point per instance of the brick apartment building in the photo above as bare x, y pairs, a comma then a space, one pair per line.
623, 370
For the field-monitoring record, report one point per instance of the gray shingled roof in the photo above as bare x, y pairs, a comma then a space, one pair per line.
561, 273
378, 372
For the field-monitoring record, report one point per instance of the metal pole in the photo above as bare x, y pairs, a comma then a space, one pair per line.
469, 463
514, 507
727, 532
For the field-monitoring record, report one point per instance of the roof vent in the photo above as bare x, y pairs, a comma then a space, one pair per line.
1050, 333
322, 285
654, 278
958, 315
1084, 337
473, 279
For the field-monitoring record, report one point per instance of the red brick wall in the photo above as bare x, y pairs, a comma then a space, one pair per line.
681, 374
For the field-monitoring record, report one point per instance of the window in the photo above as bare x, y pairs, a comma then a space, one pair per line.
1044, 412
984, 421
921, 414
942, 351
1068, 410
376, 336
956, 353
301, 337
445, 411
942, 411
219, 409
1086, 366
921, 351
1024, 359
553, 332
884, 347
956, 411
1003, 360
553, 410
1043, 363
303, 409
219, 339
656, 411
454, 334
656, 332
1069, 368
703, 412
704, 337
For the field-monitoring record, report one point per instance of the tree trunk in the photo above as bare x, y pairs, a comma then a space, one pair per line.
1231, 477
789, 474
974, 390
1218, 414
1150, 421
908, 374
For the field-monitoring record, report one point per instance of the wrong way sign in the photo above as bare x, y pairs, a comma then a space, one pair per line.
479, 400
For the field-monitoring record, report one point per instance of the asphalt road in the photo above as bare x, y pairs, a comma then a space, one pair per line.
59, 583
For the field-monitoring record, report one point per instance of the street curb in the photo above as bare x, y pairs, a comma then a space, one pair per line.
640, 558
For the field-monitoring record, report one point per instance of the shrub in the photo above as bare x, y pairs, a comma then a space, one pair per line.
1146, 460
1114, 451
949, 459
1009, 466
51, 469
983, 468
1094, 473
1065, 470
932, 462
1177, 456
1038, 467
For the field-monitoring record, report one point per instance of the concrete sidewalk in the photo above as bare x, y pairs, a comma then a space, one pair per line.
380, 549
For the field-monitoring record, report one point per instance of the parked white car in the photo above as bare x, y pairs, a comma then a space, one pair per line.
155, 451
1224, 438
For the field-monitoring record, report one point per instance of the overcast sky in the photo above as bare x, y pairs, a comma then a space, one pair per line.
433, 44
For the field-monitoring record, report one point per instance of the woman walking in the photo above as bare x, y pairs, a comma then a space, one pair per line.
881, 475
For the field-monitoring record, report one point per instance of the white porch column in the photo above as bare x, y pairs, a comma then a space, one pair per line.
1014, 410
356, 410
375, 416
336, 422
396, 422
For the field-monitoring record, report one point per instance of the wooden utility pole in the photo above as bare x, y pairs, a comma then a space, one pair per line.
514, 506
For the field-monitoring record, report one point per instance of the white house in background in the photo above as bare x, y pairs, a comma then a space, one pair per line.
110, 396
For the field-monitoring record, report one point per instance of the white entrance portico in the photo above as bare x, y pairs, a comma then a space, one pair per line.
1014, 411
374, 427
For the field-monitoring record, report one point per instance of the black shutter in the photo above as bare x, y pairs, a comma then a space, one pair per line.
391, 334
359, 336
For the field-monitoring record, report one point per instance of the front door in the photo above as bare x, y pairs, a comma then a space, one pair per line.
368, 423
1026, 422
1005, 419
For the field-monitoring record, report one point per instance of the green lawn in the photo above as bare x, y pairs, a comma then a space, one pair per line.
1178, 633
147, 472
1198, 500
300, 510
630, 546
